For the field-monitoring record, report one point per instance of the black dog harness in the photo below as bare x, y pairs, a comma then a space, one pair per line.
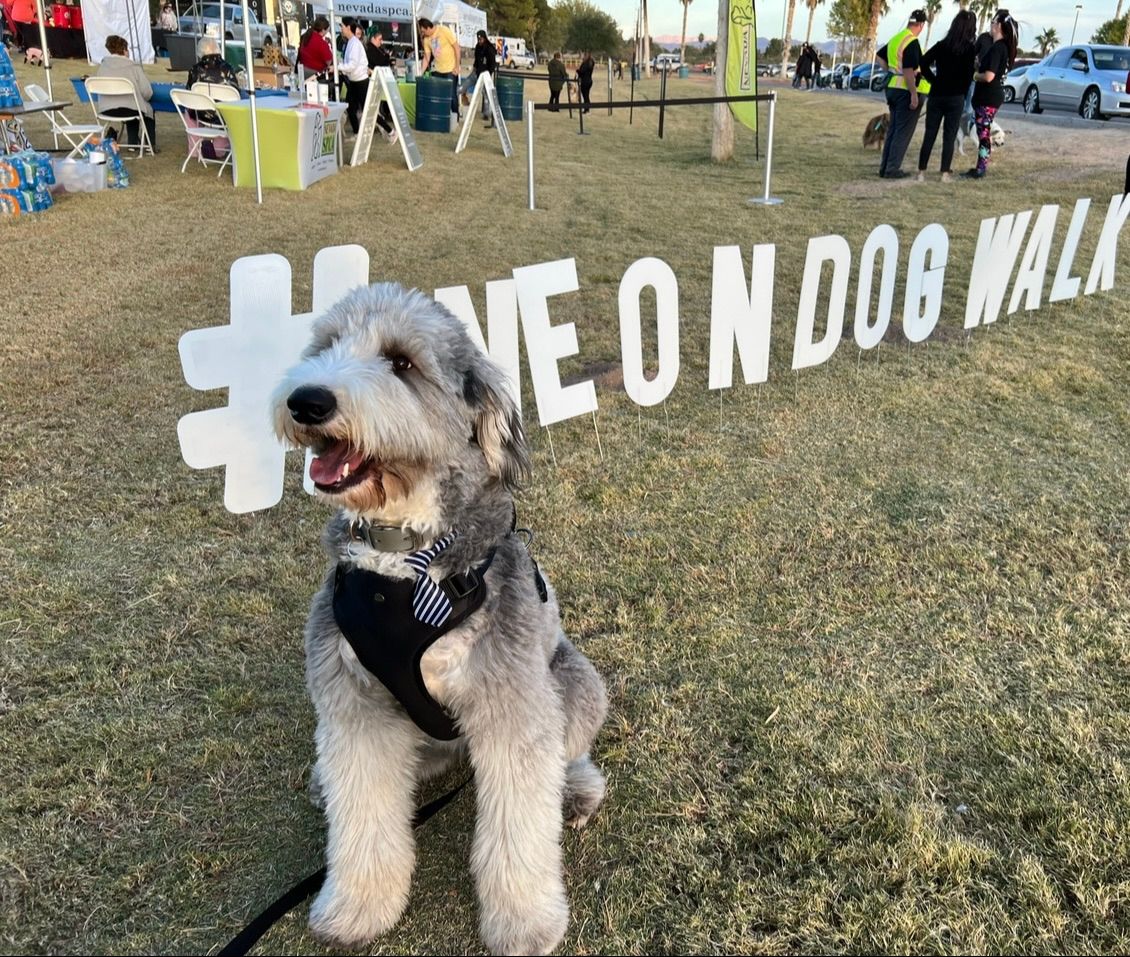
374, 613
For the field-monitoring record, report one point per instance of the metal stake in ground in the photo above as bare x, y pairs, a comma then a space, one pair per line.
632, 107
610, 86
768, 200
530, 153
662, 99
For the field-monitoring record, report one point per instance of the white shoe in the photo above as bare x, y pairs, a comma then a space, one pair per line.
392, 137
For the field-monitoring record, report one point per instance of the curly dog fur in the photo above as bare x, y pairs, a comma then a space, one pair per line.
414, 427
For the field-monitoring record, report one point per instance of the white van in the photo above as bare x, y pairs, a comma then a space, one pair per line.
511, 52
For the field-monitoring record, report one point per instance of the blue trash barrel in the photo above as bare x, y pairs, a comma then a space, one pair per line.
635, 71
510, 92
684, 72
433, 104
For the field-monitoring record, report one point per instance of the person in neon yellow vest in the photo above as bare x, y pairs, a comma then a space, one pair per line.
906, 93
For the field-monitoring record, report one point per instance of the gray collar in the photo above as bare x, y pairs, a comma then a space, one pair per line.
385, 538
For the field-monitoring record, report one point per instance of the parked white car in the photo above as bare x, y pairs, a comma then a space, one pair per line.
1016, 84
520, 60
1089, 79
667, 61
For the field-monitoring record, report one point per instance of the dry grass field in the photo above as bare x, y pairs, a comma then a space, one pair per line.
866, 630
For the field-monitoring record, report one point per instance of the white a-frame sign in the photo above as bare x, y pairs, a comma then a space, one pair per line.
383, 89
485, 87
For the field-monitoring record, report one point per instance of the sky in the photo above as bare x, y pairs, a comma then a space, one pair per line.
666, 17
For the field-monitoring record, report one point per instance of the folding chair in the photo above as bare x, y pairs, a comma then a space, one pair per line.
219, 92
60, 125
97, 86
205, 125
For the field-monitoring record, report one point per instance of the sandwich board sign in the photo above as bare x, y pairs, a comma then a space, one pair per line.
385, 90
485, 87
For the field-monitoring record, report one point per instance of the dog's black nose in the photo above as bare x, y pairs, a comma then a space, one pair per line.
311, 404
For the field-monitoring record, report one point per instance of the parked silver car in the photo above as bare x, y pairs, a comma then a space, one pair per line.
1087, 78
205, 18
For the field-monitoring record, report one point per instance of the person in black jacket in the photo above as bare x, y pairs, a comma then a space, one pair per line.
486, 61
948, 65
378, 55
584, 79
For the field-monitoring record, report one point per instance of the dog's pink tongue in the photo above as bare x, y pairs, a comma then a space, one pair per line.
328, 467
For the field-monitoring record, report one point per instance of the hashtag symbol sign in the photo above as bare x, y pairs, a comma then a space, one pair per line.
249, 358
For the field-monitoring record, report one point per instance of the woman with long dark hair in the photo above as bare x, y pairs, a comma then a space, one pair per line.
314, 51
948, 65
989, 92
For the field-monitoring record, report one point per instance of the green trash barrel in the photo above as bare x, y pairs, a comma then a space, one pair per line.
684, 72
433, 104
510, 92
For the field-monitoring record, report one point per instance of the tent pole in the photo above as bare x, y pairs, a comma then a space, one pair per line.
251, 90
333, 50
43, 43
224, 33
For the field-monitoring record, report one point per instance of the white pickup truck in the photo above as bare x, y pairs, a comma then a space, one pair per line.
205, 18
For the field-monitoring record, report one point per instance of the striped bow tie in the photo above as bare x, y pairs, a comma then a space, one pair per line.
429, 603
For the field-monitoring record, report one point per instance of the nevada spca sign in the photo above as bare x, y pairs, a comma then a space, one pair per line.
1014, 257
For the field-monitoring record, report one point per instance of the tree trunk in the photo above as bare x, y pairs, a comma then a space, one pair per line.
722, 139
811, 14
788, 40
683, 44
1126, 34
873, 28
929, 27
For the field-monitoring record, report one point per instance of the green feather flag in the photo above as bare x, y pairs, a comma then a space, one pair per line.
741, 60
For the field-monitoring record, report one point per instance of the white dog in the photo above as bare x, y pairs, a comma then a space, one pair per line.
968, 128
434, 635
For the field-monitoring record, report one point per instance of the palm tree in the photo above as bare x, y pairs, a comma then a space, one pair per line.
878, 9
984, 10
812, 5
683, 45
1047, 41
933, 8
788, 39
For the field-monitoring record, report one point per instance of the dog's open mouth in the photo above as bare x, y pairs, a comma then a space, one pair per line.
339, 466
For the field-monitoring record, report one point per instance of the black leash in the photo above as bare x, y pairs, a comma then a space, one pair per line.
249, 936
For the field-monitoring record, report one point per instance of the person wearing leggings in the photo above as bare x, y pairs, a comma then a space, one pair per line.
989, 92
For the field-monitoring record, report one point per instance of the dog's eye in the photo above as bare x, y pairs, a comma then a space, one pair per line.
400, 363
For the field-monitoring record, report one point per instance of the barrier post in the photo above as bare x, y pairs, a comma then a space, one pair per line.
768, 200
530, 153
662, 99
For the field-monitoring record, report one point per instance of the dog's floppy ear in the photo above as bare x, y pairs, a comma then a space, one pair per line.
497, 426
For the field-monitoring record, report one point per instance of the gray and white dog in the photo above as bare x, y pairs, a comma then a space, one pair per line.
417, 437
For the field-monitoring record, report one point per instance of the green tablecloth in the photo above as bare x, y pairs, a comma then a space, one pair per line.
408, 96
297, 146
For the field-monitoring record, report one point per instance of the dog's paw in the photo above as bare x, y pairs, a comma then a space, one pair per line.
350, 920
525, 929
584, 791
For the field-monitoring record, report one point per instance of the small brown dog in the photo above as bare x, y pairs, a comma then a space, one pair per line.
875, 133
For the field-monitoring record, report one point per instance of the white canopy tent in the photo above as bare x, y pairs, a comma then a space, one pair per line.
124, 18
461, 18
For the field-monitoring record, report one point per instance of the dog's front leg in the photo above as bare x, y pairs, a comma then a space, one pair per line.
516, 739
367, 771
